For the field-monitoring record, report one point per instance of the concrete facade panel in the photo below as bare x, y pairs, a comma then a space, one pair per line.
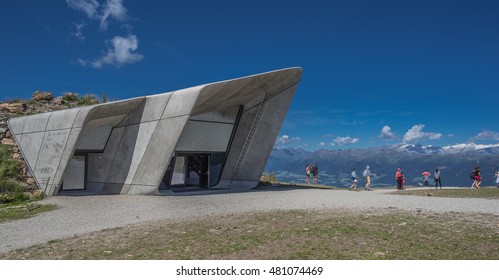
65, 158
93, 139
228, 115
106, 121
16, 125
122, 160
194, 134
99, 164
151, 110
51, 152
37, 123
99, 168
206, 103
159, 152
62, 119
81, 116
123, 107
30, 145
181, 102
145, 133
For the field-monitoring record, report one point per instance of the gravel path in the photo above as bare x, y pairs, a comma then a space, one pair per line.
82, 214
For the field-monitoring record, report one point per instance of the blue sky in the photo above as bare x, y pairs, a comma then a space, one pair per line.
374, 72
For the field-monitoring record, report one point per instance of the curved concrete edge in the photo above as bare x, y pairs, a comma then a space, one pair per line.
140, 156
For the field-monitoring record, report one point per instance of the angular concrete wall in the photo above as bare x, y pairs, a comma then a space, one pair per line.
138, 137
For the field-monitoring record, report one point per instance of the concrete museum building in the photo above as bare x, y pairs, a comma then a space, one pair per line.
209, 137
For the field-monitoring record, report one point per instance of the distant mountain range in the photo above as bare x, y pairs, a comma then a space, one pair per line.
456, 162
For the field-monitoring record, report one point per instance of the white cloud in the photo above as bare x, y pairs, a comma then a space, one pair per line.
89, 7
487, 135
386, 133
416, 134
321, 144
285, 139
78, 33
344, 141
121, 52
111, 9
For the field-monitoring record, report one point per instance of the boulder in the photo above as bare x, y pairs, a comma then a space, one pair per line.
8, 142
30, 181
42, 96
57, 100
13, 107
38, 193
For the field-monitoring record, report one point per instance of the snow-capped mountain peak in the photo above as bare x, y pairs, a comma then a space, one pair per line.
451, 149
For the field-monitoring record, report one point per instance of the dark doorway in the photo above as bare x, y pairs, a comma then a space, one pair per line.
188, 171
198, 170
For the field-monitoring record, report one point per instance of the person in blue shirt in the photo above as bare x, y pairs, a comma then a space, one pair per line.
354, 180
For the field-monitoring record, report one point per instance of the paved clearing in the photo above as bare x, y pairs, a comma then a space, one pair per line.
82, 214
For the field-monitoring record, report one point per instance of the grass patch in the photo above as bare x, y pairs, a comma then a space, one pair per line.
339, 234
491, 193
9, 168
17, 211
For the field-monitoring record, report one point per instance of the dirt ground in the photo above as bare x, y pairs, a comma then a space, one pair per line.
297, 234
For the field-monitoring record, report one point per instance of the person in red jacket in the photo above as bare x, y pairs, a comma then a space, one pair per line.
399, 177
426, 177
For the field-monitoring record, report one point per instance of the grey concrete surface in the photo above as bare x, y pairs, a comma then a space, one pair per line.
151, 128
82, 214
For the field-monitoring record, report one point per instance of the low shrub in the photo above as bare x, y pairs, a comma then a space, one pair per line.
69, 97
9, 168
11, 191
88, 99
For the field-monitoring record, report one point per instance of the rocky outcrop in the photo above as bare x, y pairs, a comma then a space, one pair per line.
42, 96
13, 107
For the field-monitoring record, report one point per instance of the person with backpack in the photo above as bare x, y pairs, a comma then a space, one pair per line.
497, 179
315, 172
437, 178
308, 173
399, 177
426, 177
477, 177
367, 174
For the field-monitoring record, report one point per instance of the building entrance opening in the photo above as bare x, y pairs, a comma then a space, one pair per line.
198, 171
188, 171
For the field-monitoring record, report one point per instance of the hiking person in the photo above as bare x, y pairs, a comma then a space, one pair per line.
426, 177
477, 177
437, 178
403, 178
315, 172
367, 174
399, 177
308, 173
354, 180
497, 179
